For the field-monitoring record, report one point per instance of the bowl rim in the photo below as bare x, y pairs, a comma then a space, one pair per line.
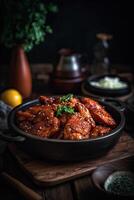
13, 126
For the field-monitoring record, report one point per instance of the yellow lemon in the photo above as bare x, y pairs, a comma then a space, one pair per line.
11, 97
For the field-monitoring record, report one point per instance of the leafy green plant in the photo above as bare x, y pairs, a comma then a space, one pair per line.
25, 22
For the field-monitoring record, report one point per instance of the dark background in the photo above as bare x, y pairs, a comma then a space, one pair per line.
75, 26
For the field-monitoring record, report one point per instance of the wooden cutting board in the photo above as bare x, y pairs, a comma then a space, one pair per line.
46, 173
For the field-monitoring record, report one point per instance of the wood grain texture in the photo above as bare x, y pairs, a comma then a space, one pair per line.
51, 173
59, 192
83, 188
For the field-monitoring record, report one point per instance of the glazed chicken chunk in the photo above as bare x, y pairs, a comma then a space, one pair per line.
98, 113
85, 113
43, 124
77, 128
99, 131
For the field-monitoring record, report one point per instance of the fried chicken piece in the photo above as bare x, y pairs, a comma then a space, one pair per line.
24, 115
64, 118
99, 131
44, 114
77, 128
73, 101
85, 113
26, 126
54, 102
98, 113
35, 109
47, 129
44, 123
46, 100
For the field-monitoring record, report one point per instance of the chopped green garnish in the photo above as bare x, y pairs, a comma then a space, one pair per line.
64, 109
66, 98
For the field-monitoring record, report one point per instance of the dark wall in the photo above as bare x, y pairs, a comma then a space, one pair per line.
75, 26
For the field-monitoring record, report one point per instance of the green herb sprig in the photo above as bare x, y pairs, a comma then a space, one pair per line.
64, 109
66, 98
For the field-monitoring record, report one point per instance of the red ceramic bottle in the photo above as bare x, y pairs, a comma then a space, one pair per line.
20, 73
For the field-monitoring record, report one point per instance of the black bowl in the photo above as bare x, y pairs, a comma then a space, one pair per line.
66, 150
107, 92
104, 174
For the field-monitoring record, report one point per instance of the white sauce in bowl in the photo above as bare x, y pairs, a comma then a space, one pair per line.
109, 83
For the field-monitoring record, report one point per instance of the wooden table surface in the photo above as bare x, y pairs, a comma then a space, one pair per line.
77, 189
